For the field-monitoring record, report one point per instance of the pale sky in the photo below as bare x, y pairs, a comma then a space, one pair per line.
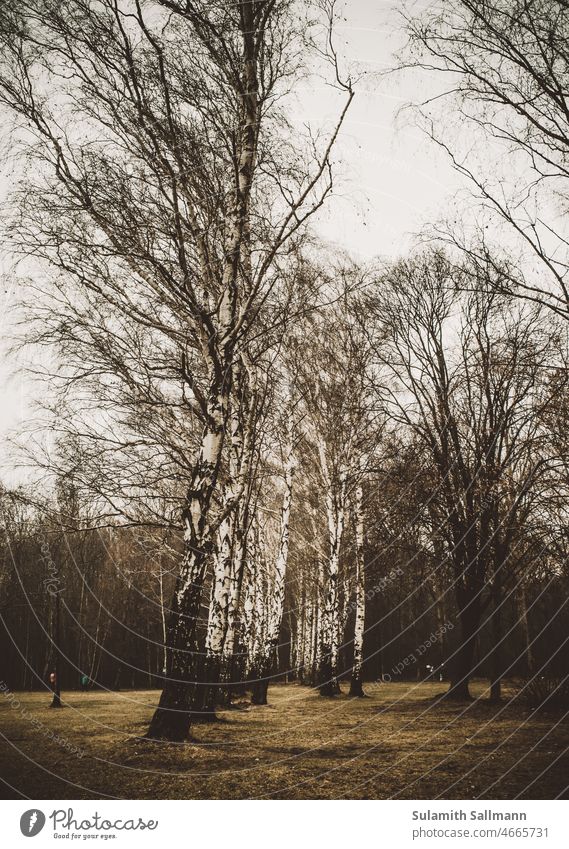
392, 180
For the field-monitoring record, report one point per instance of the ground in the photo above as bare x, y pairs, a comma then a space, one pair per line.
401, 742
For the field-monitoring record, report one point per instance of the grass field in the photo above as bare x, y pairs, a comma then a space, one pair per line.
398, 743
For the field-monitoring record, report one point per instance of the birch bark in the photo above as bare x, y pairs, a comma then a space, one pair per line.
335, 508
356, 688
276, 608
172, 719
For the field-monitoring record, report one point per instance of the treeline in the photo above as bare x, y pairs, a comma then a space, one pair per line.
114, 586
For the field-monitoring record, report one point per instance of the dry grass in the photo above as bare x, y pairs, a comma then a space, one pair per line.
400, 742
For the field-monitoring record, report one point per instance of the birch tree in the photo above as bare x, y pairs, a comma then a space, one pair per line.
339, 429
274, 541
356, 688
229, 553
166, 190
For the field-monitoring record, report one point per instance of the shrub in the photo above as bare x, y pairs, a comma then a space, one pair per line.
546, 692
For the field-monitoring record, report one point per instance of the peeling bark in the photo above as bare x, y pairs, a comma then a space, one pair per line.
356, 688
171, 720
276, 608
335, 508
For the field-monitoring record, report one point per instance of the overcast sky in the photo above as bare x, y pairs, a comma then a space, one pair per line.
392, 180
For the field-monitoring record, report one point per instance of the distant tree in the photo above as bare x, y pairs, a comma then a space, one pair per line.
468, 376
507, 69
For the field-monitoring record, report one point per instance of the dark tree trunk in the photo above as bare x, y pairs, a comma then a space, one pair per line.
524, 625
464, 659
56, 701
206, 695
496, 654
356, 688
260, 691
327, 683
235, 667
259, 695
172, 718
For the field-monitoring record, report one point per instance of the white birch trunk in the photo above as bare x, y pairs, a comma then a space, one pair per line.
356, 688
276, 598
260, 623
343, 602
249, 609
335, 509
315, 643
223, 582
302, 628
235, 590
241, 468
172, 718
277, 607
163, 618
